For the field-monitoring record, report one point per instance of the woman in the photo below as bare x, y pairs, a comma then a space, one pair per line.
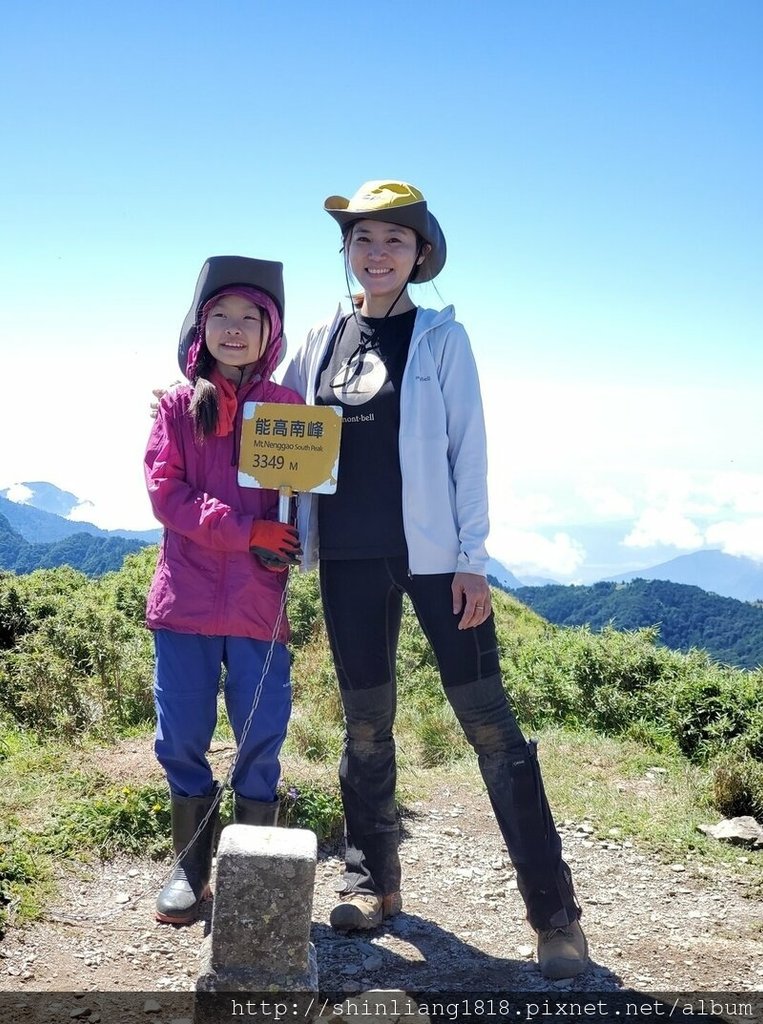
410, 516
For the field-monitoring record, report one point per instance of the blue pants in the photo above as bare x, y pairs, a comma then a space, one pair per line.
186, 683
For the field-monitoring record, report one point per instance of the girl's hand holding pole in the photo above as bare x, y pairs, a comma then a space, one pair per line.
275, 544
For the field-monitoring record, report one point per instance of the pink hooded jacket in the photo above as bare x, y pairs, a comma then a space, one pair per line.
206, 579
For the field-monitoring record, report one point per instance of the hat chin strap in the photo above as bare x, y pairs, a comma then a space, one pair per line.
368, 340
409, 280
397, 298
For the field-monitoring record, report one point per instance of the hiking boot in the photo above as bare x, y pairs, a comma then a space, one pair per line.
562, 952
188, 885
358, 910
255, 812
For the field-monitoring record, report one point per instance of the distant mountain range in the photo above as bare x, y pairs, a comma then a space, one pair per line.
727, 575
91, 555
699, 600
39, 512
713, 571
34, 533
504, 577
687, 616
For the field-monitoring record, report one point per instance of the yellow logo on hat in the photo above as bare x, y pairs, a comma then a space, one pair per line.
380, 195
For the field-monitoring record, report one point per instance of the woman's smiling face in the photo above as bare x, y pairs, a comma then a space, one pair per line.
381, 258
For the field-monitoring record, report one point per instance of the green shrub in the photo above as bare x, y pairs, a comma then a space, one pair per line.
15, 619
304, 608
737, 784
19, 871
76, 660
312, 736
129, 819
315, 687
438, 736
79, 665
41, 691
652, 734
710, 709
624, 683
128, 587
541, 683
307, 804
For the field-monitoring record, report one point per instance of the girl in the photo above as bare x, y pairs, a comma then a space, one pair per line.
410, 516
217, 593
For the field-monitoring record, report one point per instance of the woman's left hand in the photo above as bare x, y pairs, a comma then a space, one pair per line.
472, 594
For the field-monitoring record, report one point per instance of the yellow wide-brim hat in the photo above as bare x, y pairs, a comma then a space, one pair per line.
394, 202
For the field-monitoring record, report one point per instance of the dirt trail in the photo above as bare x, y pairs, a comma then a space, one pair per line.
652, 926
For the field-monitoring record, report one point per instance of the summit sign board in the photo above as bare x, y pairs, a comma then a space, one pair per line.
290, 447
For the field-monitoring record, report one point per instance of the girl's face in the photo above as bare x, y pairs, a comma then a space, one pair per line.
237, 334
381, 257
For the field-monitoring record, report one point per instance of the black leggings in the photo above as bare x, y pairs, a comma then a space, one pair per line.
362, 603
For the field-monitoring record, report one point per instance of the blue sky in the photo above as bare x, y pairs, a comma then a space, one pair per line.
595, 166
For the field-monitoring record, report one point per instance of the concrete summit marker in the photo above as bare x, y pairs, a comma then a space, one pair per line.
260, 938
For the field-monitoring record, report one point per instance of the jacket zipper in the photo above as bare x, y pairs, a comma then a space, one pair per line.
220, 596
416, 340
238, 422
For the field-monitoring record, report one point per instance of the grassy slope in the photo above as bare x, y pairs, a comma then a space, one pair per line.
63, 801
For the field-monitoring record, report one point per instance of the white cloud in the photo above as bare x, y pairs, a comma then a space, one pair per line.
741, 492
530, 554
607, 502
509, 510
19, 493
667, 527
692, 510
95, 448
741, 538
703, 494
606, 450
113, 508
84, 512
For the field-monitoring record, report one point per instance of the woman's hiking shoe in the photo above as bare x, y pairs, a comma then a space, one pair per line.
562, 952
358, 910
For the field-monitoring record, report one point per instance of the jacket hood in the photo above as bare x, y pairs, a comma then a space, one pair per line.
427, 319
221, 273
272, 355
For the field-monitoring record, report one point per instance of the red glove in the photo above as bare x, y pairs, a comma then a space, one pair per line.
275, 544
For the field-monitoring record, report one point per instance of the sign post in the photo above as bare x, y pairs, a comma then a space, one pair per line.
290, 448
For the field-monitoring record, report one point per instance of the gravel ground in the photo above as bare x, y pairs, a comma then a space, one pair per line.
651, 926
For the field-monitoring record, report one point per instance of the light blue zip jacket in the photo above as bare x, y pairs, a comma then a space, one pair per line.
443, 448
